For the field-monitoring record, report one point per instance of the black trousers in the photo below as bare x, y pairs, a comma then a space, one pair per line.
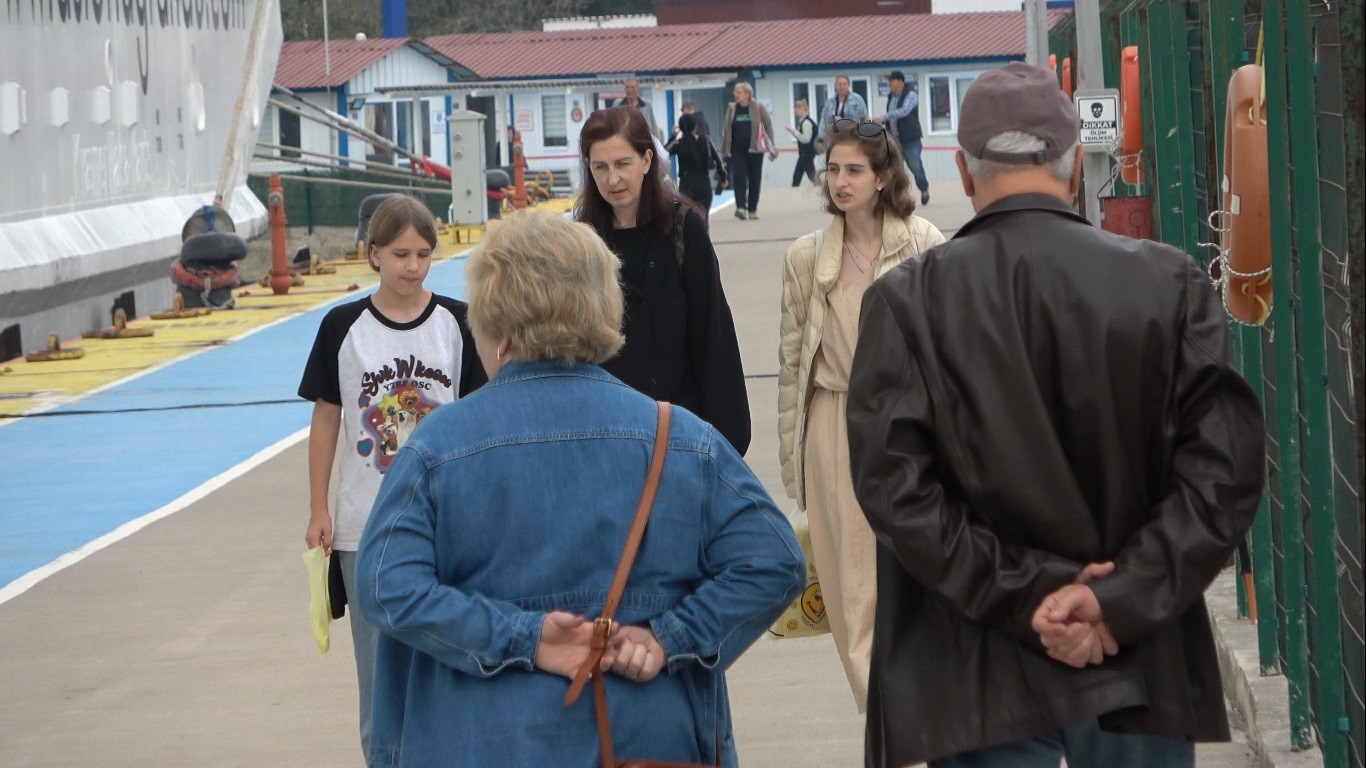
806, 164
746, 174
698, 190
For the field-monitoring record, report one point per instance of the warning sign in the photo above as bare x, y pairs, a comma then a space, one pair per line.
1099, 113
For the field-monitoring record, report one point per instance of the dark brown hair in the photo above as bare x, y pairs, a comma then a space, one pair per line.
393, 217
883, 154
656, 199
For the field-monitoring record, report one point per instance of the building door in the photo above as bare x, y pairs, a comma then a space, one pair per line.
712, 103
484, 105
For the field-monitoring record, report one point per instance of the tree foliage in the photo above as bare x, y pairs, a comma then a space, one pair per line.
303, 19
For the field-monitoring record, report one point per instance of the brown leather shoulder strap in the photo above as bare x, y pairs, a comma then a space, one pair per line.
602, 625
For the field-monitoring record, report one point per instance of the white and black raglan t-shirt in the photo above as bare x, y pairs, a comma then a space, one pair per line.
386, 376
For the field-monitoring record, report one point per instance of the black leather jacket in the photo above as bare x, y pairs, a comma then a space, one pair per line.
1031, 396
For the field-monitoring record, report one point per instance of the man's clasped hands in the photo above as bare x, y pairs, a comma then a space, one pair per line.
1070, 624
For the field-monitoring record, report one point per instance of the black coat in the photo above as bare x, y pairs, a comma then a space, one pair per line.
696, 160
680, 336
1034, 395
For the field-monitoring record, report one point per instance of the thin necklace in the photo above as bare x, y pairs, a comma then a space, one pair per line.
859, 255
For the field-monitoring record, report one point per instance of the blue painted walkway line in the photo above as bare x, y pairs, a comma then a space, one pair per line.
68, 480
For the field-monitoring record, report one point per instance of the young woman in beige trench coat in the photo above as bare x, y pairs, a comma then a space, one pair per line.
867, 191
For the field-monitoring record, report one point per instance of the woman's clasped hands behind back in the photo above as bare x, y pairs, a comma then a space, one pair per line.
567, 640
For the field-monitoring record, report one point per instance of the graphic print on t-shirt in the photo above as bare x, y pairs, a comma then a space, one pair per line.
393, 400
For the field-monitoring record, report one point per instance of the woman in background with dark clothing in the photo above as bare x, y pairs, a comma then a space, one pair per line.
695, 156
680, 337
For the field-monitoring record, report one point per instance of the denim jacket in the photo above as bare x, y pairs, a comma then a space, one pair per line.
515, 501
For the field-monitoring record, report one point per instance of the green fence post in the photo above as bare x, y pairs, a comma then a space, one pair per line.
1167, 180
1130, 34
1218, 43
1352, 438
1228, 51
1287, 399
308, 200
1182, 183
1318, 445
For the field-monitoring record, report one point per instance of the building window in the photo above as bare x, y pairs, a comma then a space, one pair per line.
815, 92
424, 130
859, 85
379, 118
554, 128
946, 99
289, 132
406, 123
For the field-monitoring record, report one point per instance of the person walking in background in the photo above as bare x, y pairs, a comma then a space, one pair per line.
703, 127
746, 136
497, 533
825, 274
844, 104
379, 366
680, 336
903, 117
696, 159
1057, 455
632, 99
805, 134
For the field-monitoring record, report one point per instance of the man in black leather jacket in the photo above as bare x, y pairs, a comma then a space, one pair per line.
1057, 457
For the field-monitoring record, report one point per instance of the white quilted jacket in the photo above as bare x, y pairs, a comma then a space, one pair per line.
809, 272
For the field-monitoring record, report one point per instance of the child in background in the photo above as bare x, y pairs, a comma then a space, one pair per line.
378, 366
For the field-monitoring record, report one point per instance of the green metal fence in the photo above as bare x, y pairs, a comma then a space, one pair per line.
332, 198
1305, 549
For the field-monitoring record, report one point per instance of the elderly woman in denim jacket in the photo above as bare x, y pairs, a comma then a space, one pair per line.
494, 539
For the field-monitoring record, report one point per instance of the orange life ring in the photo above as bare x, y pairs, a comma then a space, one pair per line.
1131, 164
1067, 76
1245, 232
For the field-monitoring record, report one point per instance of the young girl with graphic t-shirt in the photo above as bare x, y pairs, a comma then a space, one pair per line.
378, 366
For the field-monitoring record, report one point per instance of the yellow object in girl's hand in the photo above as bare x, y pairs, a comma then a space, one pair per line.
319, 612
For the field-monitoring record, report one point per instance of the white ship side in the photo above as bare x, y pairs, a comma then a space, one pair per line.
115, 123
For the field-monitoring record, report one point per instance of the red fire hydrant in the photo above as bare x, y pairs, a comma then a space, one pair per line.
280, 278
519, 200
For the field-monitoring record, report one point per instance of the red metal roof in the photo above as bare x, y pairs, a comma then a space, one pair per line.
303, 63
576, 52
901, 38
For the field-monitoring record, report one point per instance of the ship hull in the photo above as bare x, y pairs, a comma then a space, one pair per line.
116, 120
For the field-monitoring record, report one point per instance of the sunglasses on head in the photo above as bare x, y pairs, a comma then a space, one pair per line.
865, 128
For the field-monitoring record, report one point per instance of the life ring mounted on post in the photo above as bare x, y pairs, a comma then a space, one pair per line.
1245, 226
1131, 99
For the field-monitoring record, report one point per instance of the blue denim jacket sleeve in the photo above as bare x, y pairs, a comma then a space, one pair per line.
755, 568
399, 591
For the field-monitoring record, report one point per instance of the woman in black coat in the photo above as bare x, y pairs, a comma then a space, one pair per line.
696, 158
680, 336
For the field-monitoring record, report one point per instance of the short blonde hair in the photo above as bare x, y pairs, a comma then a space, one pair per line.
746, 87
548, 284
